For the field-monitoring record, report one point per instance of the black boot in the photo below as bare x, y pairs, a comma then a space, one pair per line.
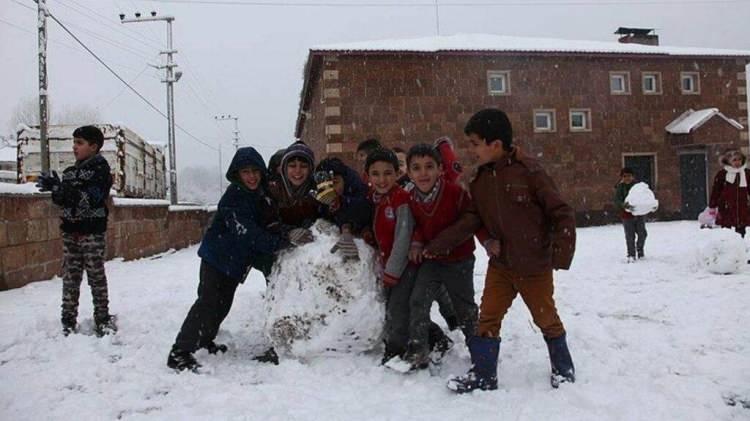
269, 356
214, 348
69, 326
440, 343
483, 373
105, 326
563, 370
181, 360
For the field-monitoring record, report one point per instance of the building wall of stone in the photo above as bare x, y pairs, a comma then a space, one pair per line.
407, 99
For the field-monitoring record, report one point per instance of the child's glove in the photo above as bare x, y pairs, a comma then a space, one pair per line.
324, 191
389, 281
628, 207
300, 236
346, 246
48, 182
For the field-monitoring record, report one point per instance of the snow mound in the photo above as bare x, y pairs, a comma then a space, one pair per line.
722, 251
317, 303
642, 199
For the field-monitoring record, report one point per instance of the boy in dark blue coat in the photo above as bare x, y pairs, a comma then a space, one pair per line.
238, 240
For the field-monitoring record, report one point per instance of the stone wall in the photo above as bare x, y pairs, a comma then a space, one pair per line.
31, 247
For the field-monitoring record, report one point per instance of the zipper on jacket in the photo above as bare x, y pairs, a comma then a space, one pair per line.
499, 216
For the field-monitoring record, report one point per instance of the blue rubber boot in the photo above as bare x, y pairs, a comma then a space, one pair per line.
483, 373
563, 370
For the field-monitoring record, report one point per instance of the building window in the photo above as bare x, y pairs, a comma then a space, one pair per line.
580, 120
544, 121
498, 82
651, 83
690, 83
619, 83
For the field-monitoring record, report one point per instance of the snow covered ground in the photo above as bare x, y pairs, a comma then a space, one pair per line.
659, 339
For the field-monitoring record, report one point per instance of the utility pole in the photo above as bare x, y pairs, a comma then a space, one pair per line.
170, 79
236, 128
43, 105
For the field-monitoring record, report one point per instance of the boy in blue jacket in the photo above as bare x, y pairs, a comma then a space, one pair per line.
238, 240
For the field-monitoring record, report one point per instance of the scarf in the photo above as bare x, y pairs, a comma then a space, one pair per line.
732, 174
429, 197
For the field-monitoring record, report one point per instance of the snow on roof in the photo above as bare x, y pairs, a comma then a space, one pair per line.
487, 42
691, 120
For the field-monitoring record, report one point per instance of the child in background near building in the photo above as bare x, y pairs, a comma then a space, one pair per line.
363, 149
436, 203
238, 240
730, 196
633, 225
532, 232
403, 177
82, 194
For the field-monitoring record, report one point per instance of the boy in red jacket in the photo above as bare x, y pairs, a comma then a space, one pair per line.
393, 224
436, 202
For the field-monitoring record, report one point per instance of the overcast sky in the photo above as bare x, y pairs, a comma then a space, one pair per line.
248, 60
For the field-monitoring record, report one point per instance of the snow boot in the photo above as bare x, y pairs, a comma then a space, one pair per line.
440, 346
483, 373
269, 356
214, 348
563, 370
69, 327
181, 360
105, 327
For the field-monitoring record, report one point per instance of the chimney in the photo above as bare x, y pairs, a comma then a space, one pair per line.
645, 36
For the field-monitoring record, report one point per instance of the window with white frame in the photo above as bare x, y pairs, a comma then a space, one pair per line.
619, 83
580, 120
651, 83
544, 121
498, 82
690, 82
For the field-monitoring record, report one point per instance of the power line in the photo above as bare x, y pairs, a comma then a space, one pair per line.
449, 4
124, 81
95, 17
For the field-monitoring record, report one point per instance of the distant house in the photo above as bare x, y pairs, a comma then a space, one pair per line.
138, 167
584, 108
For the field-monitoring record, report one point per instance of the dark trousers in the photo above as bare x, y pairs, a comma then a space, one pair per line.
458, 280
215, 296
84, 252
635, 226
397, 312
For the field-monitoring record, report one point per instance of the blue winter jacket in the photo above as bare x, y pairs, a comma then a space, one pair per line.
239, 231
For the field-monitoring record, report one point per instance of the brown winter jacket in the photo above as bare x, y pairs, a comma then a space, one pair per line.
519, 205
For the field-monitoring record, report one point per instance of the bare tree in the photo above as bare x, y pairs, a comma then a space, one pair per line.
78, 115
26, 112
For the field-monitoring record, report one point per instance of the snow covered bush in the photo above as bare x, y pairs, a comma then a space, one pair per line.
317, 303
722, 251
642, 199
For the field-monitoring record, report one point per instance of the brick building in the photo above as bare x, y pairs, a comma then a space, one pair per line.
584, 108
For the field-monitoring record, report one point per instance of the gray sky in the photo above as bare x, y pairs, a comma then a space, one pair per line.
248, 60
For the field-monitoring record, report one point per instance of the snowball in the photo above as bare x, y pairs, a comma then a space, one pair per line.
642, 199
722, 251
317, 303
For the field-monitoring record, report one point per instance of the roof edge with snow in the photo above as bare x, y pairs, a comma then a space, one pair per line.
691, 120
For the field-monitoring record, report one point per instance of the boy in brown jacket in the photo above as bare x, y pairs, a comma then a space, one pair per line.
532, 232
